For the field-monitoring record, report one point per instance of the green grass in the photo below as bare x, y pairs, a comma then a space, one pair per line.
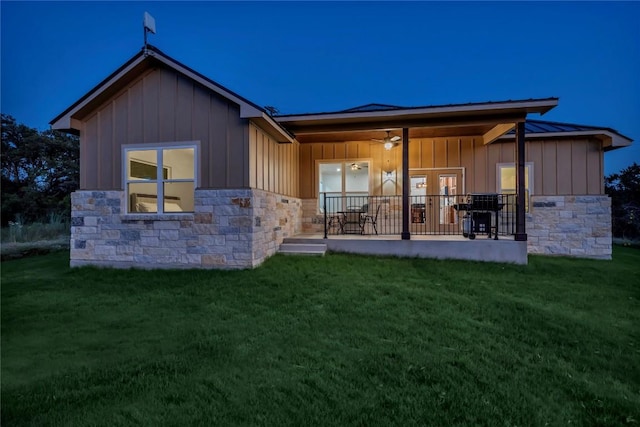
10, 251
21, 240
56, 227
339, 340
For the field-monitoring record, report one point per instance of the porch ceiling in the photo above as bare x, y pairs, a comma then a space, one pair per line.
422, 132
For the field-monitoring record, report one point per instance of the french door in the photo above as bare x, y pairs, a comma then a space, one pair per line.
433, 194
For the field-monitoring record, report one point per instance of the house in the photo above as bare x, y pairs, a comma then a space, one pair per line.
178, 171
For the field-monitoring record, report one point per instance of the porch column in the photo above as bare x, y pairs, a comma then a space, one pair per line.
521, 232
406, 184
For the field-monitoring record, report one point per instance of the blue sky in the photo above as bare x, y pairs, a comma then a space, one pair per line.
309, 57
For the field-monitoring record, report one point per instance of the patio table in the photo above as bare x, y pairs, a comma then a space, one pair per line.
352, 222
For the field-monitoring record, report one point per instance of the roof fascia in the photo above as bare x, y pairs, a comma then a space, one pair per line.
247, 110
65, 122
531, 106
267, 124
404, 122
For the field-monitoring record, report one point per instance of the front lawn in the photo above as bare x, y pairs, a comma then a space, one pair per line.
339, 340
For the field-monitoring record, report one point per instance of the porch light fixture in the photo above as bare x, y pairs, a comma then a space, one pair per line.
389, 141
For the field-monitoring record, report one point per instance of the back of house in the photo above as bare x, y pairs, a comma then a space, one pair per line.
178, 171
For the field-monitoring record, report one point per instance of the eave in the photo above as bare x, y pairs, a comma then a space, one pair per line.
610, 140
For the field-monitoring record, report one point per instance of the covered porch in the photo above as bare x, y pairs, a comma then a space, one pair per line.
381, 173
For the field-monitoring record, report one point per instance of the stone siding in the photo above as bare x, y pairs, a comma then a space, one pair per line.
275, 217
312, 221
577, 226
229, 229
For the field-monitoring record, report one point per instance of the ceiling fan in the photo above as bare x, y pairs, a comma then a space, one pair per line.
358, 166
388, 141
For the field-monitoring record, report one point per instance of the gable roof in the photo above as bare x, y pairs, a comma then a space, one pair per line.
67, 120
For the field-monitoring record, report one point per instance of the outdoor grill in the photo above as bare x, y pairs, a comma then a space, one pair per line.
478, 209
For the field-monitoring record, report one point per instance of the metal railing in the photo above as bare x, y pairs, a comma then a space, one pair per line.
428, 215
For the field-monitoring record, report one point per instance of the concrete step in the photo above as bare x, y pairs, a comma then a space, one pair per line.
303, 249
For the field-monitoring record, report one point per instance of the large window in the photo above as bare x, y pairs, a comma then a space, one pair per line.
344, 182
506, 180
166, 189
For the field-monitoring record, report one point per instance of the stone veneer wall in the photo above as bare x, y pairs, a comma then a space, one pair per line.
577, 226
312, 221
229, 229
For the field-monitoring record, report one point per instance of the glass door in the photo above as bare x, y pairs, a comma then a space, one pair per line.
433, 194
418, 204
447, 197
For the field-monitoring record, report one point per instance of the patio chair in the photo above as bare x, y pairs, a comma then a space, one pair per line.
336, 222
373, 219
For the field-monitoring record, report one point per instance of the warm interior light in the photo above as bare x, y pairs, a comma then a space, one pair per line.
388, 145
354, 167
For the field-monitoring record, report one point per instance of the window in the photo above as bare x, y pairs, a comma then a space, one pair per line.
158, 190
346, 179
506, 180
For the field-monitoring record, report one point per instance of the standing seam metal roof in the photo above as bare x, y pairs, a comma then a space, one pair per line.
543, 126
386, 107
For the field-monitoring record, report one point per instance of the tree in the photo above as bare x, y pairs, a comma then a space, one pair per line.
39, 171
624, 189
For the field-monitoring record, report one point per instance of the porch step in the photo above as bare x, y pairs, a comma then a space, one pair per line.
303, 249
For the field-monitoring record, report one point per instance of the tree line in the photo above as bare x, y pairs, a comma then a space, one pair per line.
40, 170
624, 189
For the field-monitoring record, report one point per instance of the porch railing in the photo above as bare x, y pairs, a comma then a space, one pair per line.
433, 214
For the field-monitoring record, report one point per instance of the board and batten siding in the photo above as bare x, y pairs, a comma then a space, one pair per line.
311, 153
164, 106
561, 166
273, 166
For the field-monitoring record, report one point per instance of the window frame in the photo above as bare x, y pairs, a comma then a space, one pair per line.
528, 189
344, 163
159, 180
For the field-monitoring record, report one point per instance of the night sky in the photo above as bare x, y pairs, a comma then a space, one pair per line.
311, 57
